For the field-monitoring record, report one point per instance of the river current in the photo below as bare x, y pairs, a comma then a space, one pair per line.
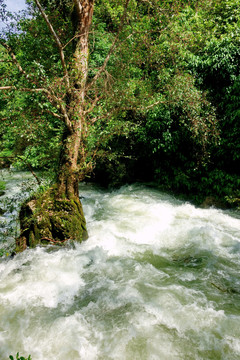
157, 279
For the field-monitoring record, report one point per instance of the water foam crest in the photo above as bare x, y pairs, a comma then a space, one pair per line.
157, 279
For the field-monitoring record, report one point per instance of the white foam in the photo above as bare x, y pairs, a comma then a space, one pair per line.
153, 281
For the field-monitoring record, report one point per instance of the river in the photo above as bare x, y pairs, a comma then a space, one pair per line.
157, 279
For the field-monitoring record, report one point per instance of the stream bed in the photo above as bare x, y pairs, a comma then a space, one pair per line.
157, 279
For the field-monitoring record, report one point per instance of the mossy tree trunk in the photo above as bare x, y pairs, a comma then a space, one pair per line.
57, 215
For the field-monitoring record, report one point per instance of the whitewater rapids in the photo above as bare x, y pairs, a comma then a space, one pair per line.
157, 279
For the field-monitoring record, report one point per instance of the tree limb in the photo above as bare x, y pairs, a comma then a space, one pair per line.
14, 59
94, 103
154, 104
53, 114
102, 68
25, 89
6, 87
57, 41
33, 173
52, 98
74, 37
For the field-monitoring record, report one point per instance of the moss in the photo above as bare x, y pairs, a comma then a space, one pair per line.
2, 187
49, 219
31, 239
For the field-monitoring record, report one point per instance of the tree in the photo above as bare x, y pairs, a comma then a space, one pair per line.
57, 85
57, 214
56, 80
68, 94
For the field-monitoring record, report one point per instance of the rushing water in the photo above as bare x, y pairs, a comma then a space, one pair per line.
157, 279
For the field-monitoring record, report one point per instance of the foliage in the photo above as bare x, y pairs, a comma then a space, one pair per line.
2, 185
207, 65
18, 357
167, 103
4, 252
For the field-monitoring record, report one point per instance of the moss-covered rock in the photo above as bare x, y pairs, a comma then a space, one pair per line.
211, 201
47, 219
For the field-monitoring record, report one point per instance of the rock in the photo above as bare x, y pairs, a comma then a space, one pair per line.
48, 219
211, 201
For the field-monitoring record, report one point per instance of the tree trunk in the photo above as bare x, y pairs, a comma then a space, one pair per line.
56, 215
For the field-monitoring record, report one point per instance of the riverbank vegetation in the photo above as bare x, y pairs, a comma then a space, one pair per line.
138, 91
18, 357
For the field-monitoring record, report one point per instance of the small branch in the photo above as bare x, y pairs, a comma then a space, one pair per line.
103, 67
53, 114
52, 98
6, 87
24, 89
74, 37
66, 118
28, 165
107, 115
94, 103
33, 173
218, 287
58, 42
14, 59
152, 105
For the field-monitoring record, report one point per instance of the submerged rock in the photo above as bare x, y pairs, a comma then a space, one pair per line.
211, 201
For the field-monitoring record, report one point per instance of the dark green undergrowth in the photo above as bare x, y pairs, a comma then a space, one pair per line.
18, 357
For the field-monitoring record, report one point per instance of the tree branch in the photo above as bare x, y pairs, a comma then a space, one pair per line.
6, 87
57, 41
154, 104
74, 37
33, 173
102, 68
25, 89
14, 59
52, 98
94, 103
53, 114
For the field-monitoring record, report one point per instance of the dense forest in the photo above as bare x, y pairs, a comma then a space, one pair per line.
129, 91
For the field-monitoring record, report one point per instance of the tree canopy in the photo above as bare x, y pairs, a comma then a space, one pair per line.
160, 92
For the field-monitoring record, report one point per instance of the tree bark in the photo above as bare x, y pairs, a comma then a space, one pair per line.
68, 172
